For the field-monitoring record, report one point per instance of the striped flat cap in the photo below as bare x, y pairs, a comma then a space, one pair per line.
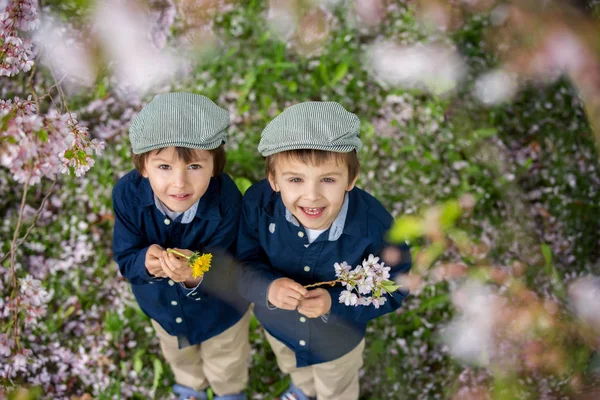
179, 119
318, 125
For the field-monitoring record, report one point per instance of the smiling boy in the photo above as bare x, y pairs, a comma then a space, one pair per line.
307, 216
178, 197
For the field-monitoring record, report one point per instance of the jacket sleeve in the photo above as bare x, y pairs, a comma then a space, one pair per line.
362, 314
129, 244
256, 272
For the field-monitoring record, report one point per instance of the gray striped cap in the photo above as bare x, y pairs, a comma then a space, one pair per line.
179, 119
318, 125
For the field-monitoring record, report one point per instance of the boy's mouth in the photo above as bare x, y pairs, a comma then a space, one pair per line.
313, 212
180, 197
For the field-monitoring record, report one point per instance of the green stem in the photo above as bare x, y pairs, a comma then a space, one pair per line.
178, 253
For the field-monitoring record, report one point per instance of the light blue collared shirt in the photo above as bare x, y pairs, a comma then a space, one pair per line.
337, 227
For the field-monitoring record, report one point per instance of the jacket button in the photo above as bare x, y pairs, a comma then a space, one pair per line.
173, 303
178, 320
302, 319
171, 283
167, 221
301, 234
302, 343
307, 268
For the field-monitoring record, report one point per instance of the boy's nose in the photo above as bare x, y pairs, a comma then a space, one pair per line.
312, 192
179, 180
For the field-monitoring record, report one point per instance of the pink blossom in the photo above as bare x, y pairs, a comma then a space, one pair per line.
379, 301
370, 277
348, 298
341, 268
16, 53
6, 344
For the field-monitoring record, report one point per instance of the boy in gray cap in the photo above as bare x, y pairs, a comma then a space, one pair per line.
178, 198
295, 225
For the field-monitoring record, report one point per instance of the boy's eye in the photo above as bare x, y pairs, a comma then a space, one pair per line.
195, 166
295, 180
164, 166
328, 180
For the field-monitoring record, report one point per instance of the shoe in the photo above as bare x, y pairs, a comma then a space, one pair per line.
294, 393
237, 396
186, 393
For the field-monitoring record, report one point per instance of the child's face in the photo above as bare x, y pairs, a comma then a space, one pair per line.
314, 194
178, 184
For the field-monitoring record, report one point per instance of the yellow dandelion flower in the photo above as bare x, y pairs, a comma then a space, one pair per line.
200, 264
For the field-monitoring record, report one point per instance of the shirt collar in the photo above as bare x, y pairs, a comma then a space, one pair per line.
186, 217
337, 227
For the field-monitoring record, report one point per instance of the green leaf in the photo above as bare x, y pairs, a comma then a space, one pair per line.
68, 312
69, 154
407, 227
100, 90
43, 135
547, 253
5, 120
323, 73
242, 183
254, 324
407, 149
484, 133
340, 71
9, 139
389, 286
266, 102
450, 212
249, 81
368, 130
292, 86
158, 372
137, 361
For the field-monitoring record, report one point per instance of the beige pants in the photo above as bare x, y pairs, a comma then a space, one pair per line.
332, 380
220, 362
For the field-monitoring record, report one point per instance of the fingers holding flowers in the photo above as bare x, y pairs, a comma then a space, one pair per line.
176, 267
286, 293
152, 263
316, 303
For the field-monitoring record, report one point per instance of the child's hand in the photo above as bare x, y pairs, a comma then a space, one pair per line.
153, 261
285, 293
176, 267
317, 302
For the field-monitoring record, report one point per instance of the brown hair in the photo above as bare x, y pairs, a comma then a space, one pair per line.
316, 157
187, 155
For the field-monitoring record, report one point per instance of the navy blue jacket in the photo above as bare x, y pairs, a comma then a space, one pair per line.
191, 315
273, 245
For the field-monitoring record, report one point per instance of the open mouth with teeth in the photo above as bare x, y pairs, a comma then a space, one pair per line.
312, 212
180, 197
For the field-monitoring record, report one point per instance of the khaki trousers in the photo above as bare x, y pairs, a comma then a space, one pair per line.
332, 380
220, 362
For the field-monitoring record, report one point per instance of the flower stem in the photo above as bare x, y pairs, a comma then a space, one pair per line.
178, 253
330, 283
